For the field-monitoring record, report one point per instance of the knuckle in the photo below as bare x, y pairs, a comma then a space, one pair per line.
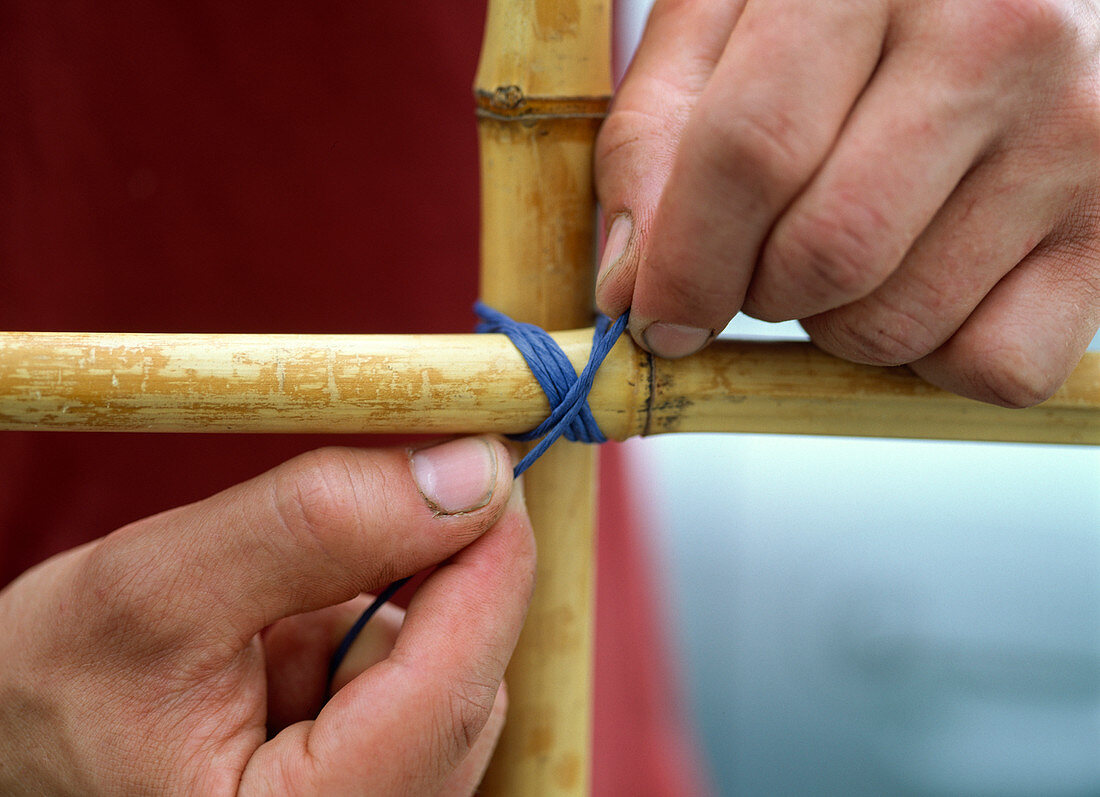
835, 253
622, 131
316, 496
1012, 378
637, 140
874, 339
764, 138
464, 714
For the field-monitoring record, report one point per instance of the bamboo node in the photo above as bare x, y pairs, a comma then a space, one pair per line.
506, 97
511, 104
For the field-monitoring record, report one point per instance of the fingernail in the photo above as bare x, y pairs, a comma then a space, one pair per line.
617, 239
457, 476
672, 341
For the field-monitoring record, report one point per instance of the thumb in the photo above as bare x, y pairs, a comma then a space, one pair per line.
638, 141
313, 532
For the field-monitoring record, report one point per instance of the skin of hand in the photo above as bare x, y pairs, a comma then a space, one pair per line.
916, 182
188, 652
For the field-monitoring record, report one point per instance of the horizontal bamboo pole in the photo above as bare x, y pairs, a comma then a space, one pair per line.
479, 383
282, 383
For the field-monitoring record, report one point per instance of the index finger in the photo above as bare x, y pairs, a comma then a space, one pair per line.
766, 121
638, 141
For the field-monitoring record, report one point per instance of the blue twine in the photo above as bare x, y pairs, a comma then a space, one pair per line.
349, 638
566, 391
570, 414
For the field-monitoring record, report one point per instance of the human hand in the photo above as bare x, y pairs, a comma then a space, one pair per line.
917, 182
188, 652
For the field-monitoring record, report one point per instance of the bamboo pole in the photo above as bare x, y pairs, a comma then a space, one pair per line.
479, 383
145, 382
795, 388
542, 86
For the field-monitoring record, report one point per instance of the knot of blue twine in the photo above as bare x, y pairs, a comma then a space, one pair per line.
570, 416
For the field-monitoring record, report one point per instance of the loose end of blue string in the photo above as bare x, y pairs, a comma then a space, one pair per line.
353, 633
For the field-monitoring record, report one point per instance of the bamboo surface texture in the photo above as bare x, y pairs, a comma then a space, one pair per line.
542, 86
479, 383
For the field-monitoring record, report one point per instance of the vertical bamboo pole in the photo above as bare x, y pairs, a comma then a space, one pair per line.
542, 87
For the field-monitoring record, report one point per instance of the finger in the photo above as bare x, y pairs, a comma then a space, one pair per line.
407, 723
638, 140
936, 105
313, 532
298, 649
1026, 337
762, 127
962, 254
